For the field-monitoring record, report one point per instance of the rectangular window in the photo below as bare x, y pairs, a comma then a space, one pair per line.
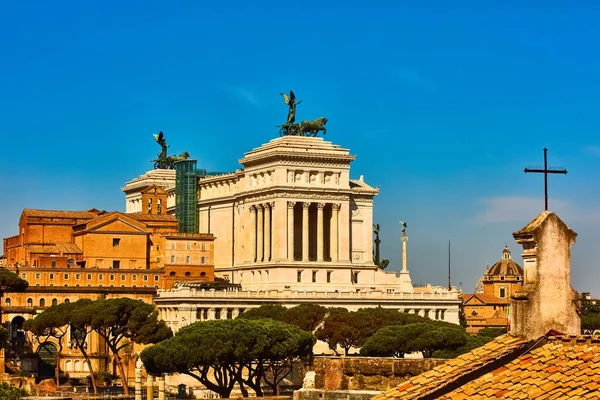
53, 264
89, 277
116, 242
123, 277
145, 277
426, 314
314, 276
203, 246
217, 313
134, 277
187, 259
156, 278
173, 246
38, 275
173, 259
24, 275
203, 260
66, 276
205, 313
188, 246
502, 292
354, 277
328, 276
77, 276
229, 313
111, 277
299, 276
51, 276
100, 277
116, 264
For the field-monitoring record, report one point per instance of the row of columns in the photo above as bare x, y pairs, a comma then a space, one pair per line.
333, 232
261, 235
149, 385
260, 228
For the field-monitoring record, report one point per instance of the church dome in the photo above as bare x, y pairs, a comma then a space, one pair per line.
506, 266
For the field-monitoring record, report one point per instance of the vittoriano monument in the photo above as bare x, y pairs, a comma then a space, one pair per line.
163, 161
304, 128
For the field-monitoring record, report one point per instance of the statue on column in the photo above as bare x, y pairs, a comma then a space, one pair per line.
381, 263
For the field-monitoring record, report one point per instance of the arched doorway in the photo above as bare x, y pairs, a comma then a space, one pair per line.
47, 360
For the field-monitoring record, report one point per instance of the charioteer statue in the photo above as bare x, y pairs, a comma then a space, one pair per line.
163, 161
304, 128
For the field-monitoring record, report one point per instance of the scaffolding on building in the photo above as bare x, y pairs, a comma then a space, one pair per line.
186, 195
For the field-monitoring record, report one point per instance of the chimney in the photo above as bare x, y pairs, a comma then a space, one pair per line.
546, 300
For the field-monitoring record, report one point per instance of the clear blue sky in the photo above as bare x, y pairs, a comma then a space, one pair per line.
444, 104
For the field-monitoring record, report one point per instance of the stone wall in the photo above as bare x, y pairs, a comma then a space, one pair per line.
361, 373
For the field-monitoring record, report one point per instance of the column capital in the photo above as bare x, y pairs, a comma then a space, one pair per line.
291, 204
259, 207
306, 205
321, 206
252, 209
336, 206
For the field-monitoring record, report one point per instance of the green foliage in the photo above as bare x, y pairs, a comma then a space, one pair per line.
272, 311
11, 281
589, 323
491, 332
351, 329
3, 336
473, 342
221, 353
397, 340
9, 392
305, 316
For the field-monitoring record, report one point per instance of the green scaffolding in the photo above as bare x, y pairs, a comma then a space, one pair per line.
186, 196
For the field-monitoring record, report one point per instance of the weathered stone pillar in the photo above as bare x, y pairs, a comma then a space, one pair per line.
259, 233
305, 207
267, 239
161, 387
404, 256
253, 232
320, 207
138, 380
290, 230
150, 387
333, 240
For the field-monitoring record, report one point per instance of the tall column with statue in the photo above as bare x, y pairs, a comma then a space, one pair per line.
405, 282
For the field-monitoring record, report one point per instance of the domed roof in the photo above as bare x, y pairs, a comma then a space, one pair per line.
506, 266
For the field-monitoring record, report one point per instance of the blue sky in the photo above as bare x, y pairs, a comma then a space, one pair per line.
444, 104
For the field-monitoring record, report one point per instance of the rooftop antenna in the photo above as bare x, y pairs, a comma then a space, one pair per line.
449, 285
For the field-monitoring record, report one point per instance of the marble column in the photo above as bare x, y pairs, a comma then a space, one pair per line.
290, 230
150, 387
404, 263
267, 231
333, 233
305, 207
161, 387
253, 233
138, 380
320, 207
259, 233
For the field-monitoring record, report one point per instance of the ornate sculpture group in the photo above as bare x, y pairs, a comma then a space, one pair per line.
304, 128
163, 161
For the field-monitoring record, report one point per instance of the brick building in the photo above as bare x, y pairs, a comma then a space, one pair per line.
69, 255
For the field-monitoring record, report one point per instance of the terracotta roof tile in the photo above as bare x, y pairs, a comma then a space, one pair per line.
562, 368
28, 212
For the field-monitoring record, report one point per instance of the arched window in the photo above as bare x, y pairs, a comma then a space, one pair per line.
172, 273
54, 302
202, 273
7, 302
30, 302
188, 273
67, 301
42, 302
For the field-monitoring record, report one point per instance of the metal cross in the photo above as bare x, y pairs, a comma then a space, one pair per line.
546, 171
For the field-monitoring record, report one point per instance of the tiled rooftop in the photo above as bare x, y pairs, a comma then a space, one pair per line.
485, 298
445, 374
564, 367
